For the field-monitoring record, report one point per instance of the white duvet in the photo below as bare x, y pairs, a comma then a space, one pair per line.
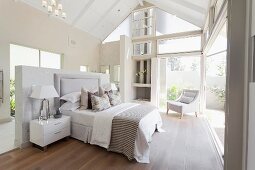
101, 133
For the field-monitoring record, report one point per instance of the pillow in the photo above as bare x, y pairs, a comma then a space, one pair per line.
186, 100
103, 90
90, 94
100, 103
114, 99
72, 97
84, 99
69, 106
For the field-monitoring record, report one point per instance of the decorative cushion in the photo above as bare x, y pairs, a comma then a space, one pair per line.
90, 94
104, 89
86, 98
186, 100
100, 103
72, 97
115, 99
189, 94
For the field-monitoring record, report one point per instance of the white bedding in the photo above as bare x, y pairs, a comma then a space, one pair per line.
101, 123
82, 117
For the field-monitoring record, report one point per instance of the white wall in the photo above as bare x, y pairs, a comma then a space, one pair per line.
110, 55
24, 25
27, 108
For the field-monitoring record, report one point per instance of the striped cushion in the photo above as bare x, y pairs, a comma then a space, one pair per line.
114, 99
100, 103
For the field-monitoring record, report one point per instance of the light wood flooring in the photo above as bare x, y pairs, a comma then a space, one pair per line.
186, 145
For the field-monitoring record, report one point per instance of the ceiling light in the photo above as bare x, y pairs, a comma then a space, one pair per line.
54, 8
44, 3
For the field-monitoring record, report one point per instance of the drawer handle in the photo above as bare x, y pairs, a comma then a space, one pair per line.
57, 132
57, 123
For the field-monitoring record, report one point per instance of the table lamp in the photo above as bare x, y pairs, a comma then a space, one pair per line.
44, 93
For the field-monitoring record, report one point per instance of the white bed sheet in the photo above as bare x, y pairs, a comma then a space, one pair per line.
82, 117
145, 130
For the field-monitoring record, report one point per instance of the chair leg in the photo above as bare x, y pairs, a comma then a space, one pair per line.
167, 110
196, 114
181, 116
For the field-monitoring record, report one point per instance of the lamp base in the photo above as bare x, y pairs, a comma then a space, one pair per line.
45, 113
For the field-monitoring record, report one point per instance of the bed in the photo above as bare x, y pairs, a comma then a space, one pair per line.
96, 127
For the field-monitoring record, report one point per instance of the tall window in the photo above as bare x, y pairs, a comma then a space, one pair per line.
20, 55
216, 62
142, 23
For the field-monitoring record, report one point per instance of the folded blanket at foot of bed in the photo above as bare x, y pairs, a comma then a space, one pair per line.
125, 127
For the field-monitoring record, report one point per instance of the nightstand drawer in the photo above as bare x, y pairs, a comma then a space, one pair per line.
57, 126
56, 135
45, 132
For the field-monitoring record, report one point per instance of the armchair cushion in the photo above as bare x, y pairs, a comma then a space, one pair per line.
186, 99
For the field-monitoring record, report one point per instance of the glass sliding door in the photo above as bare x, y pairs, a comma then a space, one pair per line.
181, 73
216, 85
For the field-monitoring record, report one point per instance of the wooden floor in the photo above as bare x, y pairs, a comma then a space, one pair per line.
186, 145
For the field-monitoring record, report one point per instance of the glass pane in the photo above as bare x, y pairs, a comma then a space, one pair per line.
220, 44
143, 23
168, 24
179, 45
20, 55
142, 48
216, 84
50, 60
218, 7
179, 73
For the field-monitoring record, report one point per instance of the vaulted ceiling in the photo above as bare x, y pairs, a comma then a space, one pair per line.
101, 17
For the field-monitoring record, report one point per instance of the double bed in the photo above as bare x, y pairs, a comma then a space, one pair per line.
96, 127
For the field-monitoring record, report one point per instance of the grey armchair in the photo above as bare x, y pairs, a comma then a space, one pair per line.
188, 102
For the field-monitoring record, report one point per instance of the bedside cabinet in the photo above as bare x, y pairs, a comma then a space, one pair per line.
45, 132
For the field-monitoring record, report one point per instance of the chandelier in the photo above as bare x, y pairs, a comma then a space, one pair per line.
53, 7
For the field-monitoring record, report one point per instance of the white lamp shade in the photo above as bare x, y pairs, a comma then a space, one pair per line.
43, 92
113, 87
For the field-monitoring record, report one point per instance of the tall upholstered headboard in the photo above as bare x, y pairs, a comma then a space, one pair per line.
68, 83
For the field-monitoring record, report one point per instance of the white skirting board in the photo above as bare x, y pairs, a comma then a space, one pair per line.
251, 128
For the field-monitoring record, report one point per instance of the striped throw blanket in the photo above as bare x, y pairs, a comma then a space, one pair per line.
124, 129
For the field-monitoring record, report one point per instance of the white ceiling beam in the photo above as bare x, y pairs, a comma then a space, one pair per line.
141, 2
104, 16
82, 12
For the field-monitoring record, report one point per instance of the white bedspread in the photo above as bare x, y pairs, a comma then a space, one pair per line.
101, 133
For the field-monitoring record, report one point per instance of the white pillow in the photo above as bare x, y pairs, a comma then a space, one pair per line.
69, 106
72, 97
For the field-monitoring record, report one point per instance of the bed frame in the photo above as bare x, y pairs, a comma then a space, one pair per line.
68, 83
